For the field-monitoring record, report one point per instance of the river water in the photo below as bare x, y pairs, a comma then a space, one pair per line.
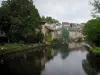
66, 59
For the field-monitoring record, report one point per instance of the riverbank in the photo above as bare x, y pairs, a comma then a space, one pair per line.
94, 50
10, 48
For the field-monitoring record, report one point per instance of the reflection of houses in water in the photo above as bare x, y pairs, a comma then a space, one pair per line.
76, 46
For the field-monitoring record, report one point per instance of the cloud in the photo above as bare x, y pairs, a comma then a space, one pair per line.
65, 10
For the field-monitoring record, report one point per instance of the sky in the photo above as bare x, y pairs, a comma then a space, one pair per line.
74, 11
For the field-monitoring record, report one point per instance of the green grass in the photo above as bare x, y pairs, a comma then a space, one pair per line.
15, 47
10, 46
96, 50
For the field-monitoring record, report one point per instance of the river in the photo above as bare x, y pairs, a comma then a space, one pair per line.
66, 59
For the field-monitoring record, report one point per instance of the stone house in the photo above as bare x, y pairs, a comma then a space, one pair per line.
48, 31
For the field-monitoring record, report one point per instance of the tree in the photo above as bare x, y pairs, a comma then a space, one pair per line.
96, 10
19, 19
43, 18
92, 31
4, 18
49, 19
65, 35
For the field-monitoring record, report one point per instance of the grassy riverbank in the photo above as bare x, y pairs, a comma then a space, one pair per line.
93, 48
96, 50
9, 48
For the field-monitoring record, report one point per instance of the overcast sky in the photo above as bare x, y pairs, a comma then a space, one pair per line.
76, 11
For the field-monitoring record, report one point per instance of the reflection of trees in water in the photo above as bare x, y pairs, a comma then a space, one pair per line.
50, 53
92, 64
63, 49
25, 64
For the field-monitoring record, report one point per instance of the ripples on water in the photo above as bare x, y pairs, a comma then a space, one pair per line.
66, 59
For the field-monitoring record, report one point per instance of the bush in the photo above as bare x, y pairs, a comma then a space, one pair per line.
96, 49
92, 31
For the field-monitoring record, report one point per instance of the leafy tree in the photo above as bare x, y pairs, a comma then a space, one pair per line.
65, 35
19, 19
96, 11
49, 19
43, 18
92, 31
40, 37
4, 18
92, 27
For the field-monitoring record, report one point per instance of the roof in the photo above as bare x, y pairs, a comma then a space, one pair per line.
49, 28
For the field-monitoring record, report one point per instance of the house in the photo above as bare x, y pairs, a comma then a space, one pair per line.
48, 31
66, 25
75, 29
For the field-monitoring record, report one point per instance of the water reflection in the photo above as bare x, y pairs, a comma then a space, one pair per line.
92, 64
68, 60
62, 59
25, 63
63, 49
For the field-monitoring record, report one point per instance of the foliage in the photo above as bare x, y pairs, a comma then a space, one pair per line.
96, 49
19, 19
16, 47
92, 31
57, 41
96, 11
65, 34
49, 19
79, 39
10, 46
40, 37
49, 38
